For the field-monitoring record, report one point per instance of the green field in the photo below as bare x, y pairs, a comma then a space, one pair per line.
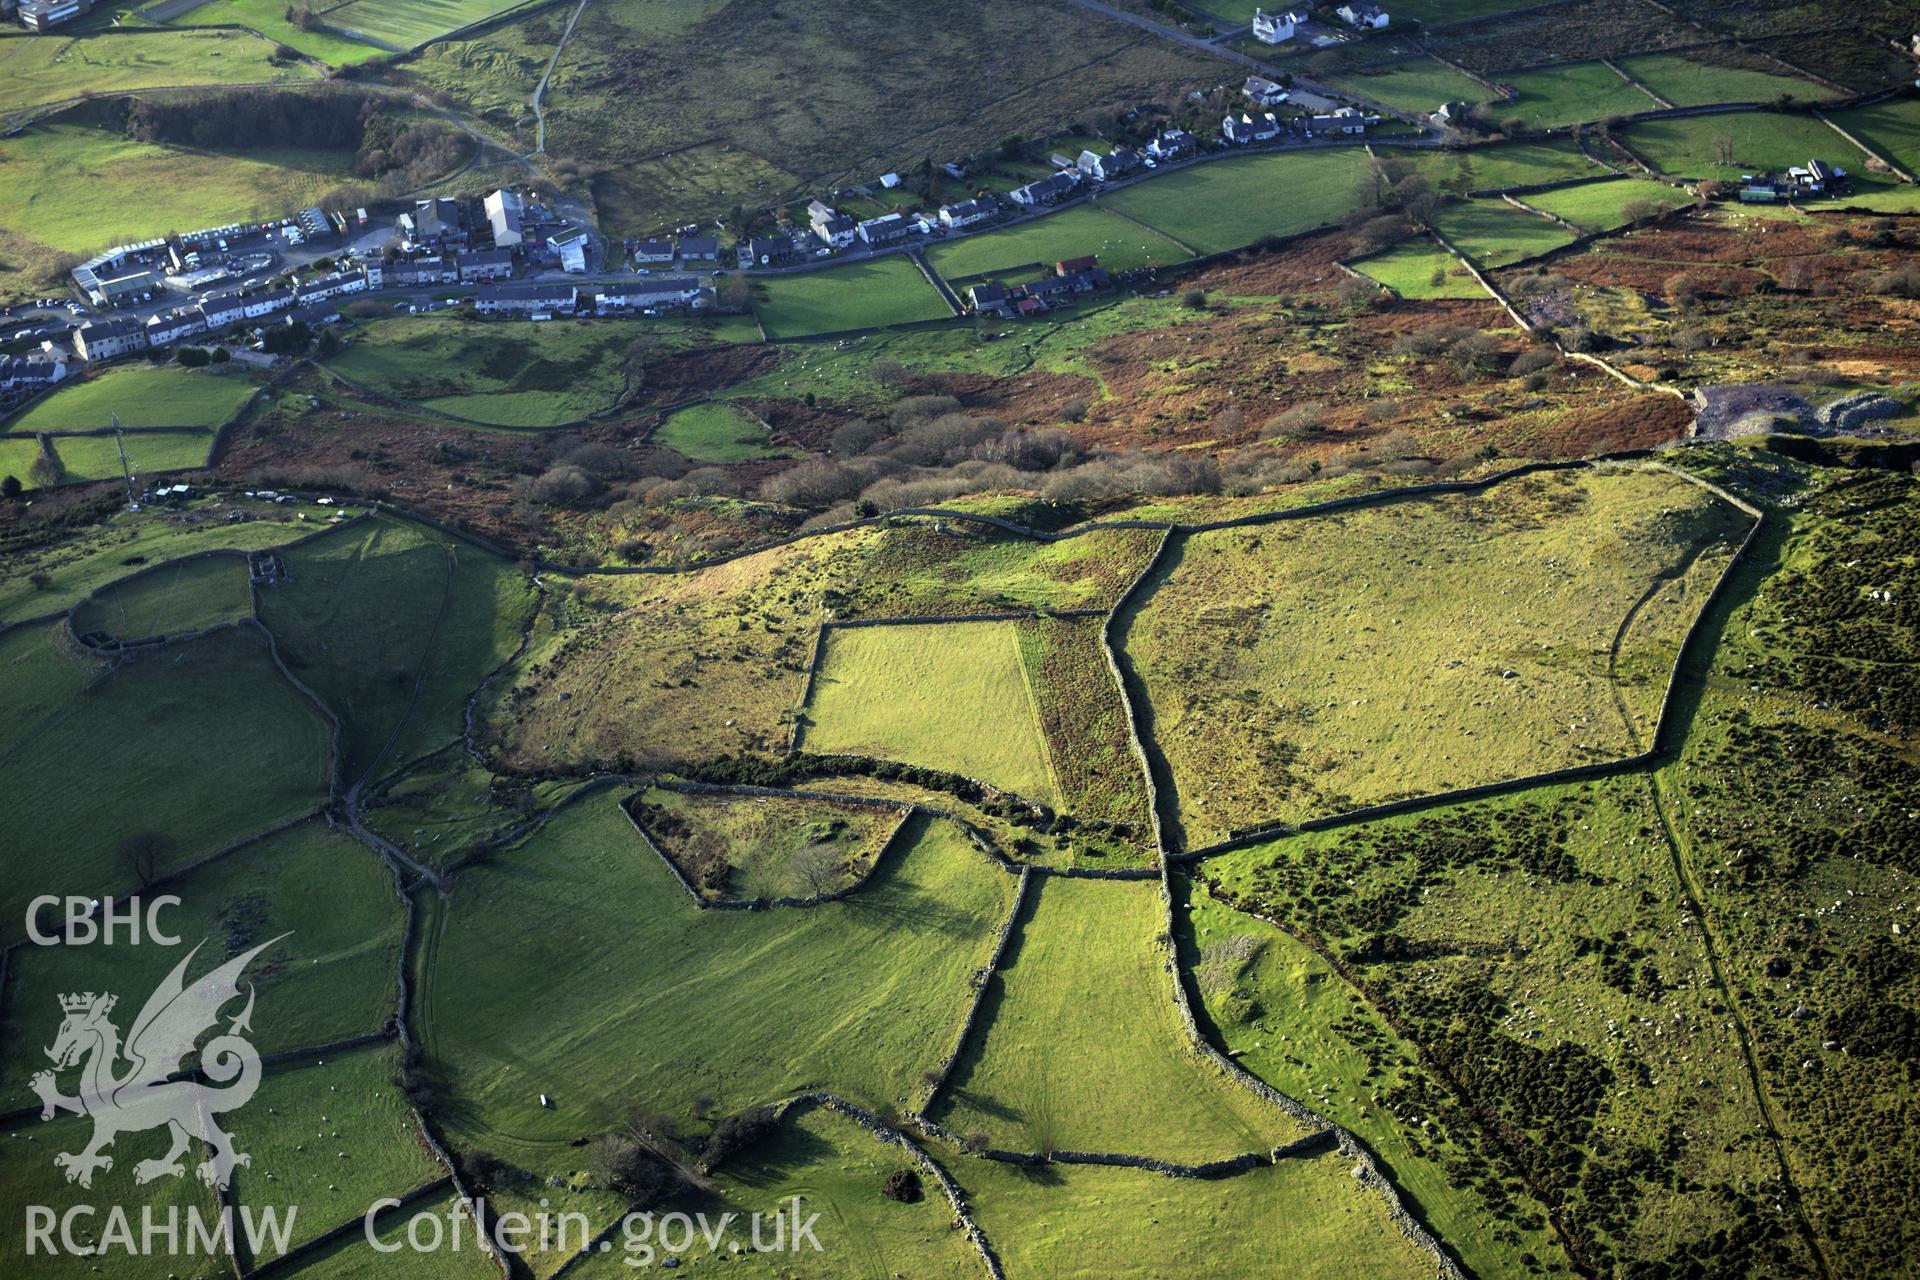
270, 19
17, 458
1303, 1219
508, 373
1228, 203
79, 187
332, 1135
1409, 269
392, 626
331, 978
35, 70
1086, 983
1759, 140
141, 395
28, 1175
352, 1257
575, 965
859, 295
204, 742
414, 24
179, 599
125, 540
953, 696
1119, 244
1597, 206
737, 847
1418, 84
1688, 83
715, 433
1454, 641
1495, 234
1549, 97
1502, 164
1892, 128
147, 453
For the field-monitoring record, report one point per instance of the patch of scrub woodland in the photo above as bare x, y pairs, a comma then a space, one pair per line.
575, 965
1571, 1047
678, 668
1307, 1218
744, 847
1792, 807
838, 1169
1086, 982
953, 696
445, 808
1304, 668
1293, 1020
1083, 719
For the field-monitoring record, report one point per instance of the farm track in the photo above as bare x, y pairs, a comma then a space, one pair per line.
540, 90
1663, 805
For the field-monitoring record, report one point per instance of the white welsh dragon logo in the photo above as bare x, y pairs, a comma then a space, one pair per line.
153, 1091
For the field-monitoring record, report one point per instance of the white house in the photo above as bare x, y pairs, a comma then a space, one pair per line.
660, 291
222, 309
832, 226
1248, 128
21, 371
1122, 161
1264, 92
966, 213
1275, 28
1363, 15
572, 248
105, 339
264, 304
504, 210
1171, 145
1046, 191
886, 229
527, 299
653, 251
173, 326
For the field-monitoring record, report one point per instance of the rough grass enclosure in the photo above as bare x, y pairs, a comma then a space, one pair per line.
35, 70
78, 185
1307, 1218
1034, 247
176, 600
203, 742
1454, 641
1536, 979
392, 626
332, 978
822, 92
505, 373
